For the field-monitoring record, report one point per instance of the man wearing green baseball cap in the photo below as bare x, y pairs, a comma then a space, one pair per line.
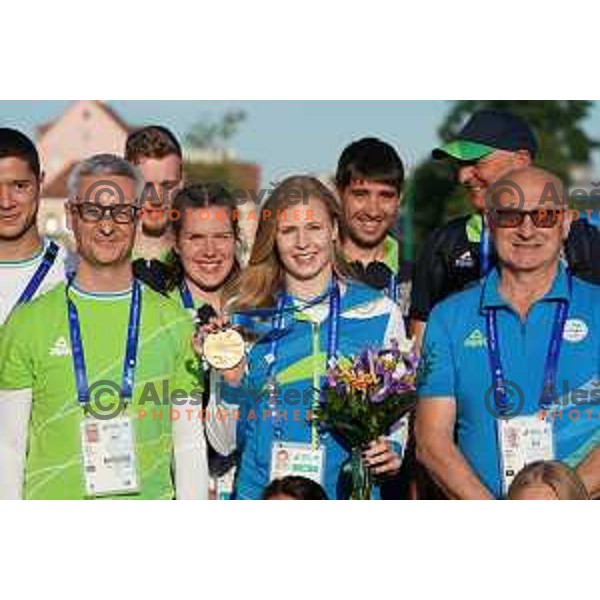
491, 143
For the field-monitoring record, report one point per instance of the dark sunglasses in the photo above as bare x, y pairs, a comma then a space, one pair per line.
541, 217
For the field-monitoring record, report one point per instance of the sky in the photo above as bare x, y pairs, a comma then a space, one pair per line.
284, 136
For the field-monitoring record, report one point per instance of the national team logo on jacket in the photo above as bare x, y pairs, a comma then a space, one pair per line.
465, 260
61, 348
476, 339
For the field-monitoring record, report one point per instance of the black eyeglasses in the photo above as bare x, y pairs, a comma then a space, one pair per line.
93, 213
541, 217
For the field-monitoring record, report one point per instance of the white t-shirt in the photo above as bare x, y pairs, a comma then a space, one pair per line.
15, 275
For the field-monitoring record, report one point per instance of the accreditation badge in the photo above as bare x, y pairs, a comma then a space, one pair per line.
523, 440
109, 459
288, 458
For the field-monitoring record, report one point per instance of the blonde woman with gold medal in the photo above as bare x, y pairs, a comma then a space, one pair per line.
296, 284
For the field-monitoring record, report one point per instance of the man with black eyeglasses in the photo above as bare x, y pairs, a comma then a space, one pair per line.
489, 145
89, 371
510, 365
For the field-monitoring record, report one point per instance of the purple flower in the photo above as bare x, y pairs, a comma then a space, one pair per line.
332, 380
412, 361
380, 395
395, 348
371, 358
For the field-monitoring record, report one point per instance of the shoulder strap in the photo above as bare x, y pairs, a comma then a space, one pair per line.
153, 273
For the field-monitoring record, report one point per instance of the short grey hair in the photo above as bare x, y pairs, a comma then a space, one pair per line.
107, 165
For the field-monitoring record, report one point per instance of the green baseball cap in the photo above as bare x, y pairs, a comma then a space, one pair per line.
463, 150
487, 131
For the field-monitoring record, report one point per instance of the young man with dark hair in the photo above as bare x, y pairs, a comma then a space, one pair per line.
29, 265
369, 180
157, 153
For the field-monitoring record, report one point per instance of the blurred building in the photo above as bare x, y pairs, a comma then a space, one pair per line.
89, 127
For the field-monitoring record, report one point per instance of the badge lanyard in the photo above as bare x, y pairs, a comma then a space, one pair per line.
186, 295
393, 287
550, 367
39, 275
332, 343
485, 250
130, 361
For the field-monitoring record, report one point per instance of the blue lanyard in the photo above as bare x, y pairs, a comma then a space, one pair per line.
550, 367
247, 320
39, 275
278, 325
485, 250
186, 295
130, 360
393, 287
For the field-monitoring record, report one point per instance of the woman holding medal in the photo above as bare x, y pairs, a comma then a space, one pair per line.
314, 312
202, 263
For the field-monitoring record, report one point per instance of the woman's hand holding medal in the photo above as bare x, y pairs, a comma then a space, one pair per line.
223, 348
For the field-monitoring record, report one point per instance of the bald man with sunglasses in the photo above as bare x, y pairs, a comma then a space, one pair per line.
511, 364
491, 143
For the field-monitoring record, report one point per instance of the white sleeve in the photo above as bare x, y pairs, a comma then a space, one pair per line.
15, 410
221, 421
190, 454
395, 328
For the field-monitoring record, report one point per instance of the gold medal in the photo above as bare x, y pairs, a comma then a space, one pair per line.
224, 349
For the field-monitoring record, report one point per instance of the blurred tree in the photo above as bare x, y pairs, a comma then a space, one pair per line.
215, 135
210, 162
432, 197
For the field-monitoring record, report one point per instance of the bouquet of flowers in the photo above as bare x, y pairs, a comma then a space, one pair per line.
362, 398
